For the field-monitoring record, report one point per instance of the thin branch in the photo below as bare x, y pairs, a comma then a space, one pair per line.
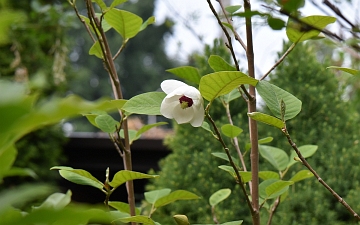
229, 45
253, 130
279, 61
228, 37
83, 21
110, 66
307, 165
272, 210
237, 36
226, 149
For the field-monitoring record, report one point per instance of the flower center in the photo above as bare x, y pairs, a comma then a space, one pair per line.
185, 102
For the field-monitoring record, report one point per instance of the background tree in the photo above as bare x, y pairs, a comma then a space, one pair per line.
326, 120
33, 50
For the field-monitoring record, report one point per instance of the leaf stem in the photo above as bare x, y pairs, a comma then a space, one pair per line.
279, 61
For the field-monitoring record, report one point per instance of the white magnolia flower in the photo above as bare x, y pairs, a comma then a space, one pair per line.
183, 103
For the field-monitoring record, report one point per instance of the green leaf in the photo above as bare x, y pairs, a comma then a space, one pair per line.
347, 70
276, 23
231, 130
127, 24
273, 95
22, 194
245, 176
118, 103
275, 156
305, 150
100, 3
187, 73
15, 171
267, 119
219, 64
149, 21
106, 123
234, 94
131, 133
223, 156
232, 9
228, 25
152, 196
138, 219
126, 175
301, 175
96, 50
79, 176
7, 158
219, 196
175, 196
123, 207
237, 222
181, 220
277, 188
220, 83
265, 140
56, 201
206, 127
148, 103
265, 175
116, 3
263, 185
148, 127
298, 32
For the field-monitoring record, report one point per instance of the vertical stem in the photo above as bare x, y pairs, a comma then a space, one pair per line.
116, 87
254, 155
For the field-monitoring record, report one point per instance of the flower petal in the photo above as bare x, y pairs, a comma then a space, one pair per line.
168, 105
183, 115
169, 86
198, 117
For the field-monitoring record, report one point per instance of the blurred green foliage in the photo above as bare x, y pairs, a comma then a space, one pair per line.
33, 51
326, 120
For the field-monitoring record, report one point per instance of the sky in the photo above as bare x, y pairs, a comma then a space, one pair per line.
197, 15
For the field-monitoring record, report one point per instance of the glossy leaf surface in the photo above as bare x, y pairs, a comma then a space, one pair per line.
220, 83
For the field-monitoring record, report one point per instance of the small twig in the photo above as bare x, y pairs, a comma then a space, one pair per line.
307, 165
83, 21
230, 47
228, 37
215, 219
122, 47
226, 149
279, 61
237, 36
272, 210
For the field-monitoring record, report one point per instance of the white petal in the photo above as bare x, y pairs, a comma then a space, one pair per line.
183, 115
169, 86
168, 105
198, 117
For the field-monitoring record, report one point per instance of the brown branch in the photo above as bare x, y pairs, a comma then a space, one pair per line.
307, 165
228, 37
226, 149
253, 130
229, 45
110, 67
237, 36
279, 61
